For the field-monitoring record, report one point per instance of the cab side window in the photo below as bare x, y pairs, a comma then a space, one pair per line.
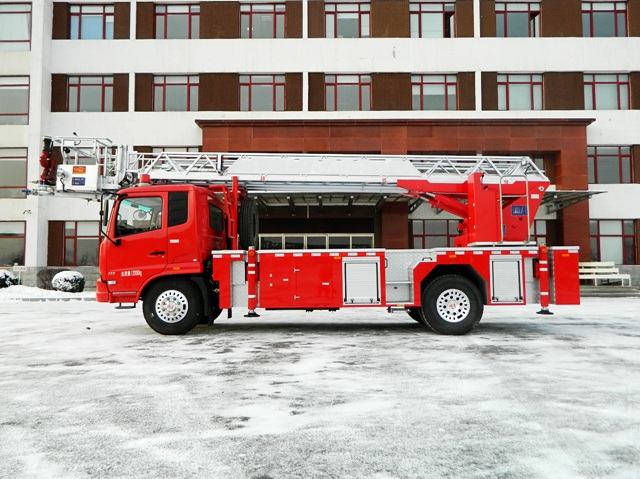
138, 215
215, 218
178, 208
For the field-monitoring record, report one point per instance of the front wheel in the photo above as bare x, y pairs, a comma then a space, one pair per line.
172, 306
452, 305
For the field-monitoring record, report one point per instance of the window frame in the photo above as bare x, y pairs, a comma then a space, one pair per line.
363, 82
14, 157
279, 241
74, 240
448, 81
593, 80
14, 236
191, 83
277, 84
249, 12
627, 236
417, 11
533, 15
588, 12
539, 232
624, 163
333, 10
17, 82
423, 235
9, 13
191, 12
536, 94
84, 11
103, 82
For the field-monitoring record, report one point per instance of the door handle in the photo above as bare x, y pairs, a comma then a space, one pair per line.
155, 253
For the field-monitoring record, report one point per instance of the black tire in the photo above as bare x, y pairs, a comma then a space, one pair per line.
248, 223
452, 305
173, 306
414, 313
213, 315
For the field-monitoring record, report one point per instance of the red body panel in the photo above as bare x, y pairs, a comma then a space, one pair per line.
292, 280
564, 275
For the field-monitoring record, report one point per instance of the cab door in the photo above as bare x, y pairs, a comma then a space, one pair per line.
140, 232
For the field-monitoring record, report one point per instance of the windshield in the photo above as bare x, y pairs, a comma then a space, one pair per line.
137, 215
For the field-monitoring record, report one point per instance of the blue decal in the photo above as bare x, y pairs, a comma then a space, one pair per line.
518, 211
78, 181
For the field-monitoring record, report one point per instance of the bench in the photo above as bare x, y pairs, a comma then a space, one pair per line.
602, 271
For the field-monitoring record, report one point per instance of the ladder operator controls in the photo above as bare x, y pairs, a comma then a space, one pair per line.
182, 231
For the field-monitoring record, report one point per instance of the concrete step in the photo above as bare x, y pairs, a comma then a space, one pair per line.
607, 291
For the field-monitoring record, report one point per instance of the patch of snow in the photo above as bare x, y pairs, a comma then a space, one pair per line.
29, 293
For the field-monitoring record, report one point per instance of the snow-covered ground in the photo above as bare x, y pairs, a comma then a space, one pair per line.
88, 391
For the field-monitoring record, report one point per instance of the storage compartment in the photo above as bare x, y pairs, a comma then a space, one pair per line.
361, 280
506, 279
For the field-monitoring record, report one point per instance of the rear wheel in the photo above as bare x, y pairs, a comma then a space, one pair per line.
414, 313
173, 306
452, 305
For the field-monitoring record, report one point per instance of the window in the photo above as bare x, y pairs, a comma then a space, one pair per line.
14, 100
348, 92
13, 165
15, 27
178, 213
216, 218
139, 215
316, 241
12, 242
177, 21
347, 20
609, 164
538, 232
175, 93
613, 240
262, 20
434, 233
541, 162
262, 92
434, 92
606, 92
517, 19
519, 92
91, 22
432, 20
81, 242
604, 19
90, 93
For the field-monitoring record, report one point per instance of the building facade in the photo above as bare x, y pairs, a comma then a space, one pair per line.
558, 80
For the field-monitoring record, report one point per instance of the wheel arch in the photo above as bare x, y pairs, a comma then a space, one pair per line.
204, 284
464, 270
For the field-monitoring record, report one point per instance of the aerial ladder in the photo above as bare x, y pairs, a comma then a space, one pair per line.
495, 197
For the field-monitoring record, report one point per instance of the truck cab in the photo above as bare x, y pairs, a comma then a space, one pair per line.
159, 231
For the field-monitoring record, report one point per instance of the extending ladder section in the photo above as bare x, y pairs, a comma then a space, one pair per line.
92, 166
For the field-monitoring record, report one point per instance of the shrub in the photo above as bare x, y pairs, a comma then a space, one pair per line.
68, 281
7, 278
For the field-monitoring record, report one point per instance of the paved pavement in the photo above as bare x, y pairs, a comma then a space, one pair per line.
87, 391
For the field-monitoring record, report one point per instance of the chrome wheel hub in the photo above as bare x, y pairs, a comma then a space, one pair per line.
172, 306
453, 305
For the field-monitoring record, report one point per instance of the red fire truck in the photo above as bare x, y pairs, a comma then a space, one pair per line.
182, 234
